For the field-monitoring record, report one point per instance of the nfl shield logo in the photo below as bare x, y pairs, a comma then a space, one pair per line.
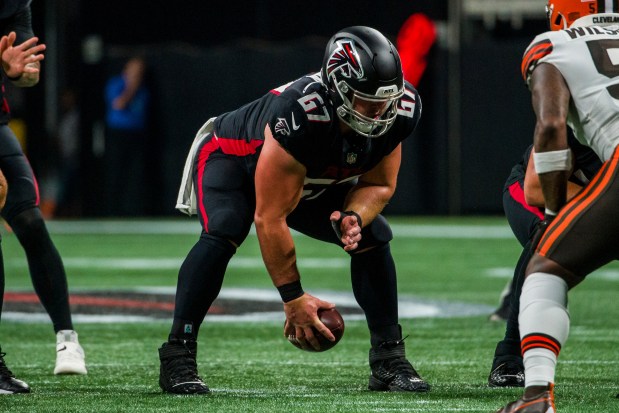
351, 158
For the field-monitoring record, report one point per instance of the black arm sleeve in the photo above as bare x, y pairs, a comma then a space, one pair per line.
21, 24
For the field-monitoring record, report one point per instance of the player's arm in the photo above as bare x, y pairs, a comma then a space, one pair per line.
533, 188
550, 100
133, 75
369, 197
279, 183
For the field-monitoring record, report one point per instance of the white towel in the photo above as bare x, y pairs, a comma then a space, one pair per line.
186, 201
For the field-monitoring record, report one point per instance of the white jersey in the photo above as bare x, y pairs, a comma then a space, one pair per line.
587, 55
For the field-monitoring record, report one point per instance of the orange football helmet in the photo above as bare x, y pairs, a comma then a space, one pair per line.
562, 13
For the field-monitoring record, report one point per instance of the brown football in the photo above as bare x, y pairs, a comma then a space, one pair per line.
333, 320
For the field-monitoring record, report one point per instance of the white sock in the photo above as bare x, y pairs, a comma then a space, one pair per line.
544, 326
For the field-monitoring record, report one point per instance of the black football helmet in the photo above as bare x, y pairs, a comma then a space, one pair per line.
362, 67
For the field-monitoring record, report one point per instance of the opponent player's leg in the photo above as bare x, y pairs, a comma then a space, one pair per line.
561, 261
544, 327
22, 213
225, 195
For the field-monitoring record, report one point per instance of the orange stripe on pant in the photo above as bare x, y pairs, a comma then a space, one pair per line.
572, 204
575, 207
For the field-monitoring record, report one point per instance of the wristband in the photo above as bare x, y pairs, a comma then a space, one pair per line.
14, 79
552, 161
550, 212
348, 213
290, 291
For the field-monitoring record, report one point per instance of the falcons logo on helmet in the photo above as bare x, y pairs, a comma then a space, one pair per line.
345, 59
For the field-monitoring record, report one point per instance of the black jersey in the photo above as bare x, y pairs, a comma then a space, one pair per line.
302, 119
14, 16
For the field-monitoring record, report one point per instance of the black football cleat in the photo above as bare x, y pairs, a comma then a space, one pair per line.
510, 373
391, 371
8, 383
178, 372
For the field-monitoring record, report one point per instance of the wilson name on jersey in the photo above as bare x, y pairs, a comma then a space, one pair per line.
588, 59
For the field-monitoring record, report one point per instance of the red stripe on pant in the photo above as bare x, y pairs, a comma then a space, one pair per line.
517, 193
229, 146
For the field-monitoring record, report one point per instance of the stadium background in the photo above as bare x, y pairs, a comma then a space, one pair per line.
206, 58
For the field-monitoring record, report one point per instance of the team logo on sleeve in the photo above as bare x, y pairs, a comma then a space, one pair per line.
281, 127
345, 59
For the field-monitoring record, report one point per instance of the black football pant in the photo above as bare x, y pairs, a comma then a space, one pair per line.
21, 212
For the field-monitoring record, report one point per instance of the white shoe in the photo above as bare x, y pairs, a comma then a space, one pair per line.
69, 354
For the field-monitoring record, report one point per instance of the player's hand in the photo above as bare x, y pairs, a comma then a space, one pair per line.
348, 228
301, 316
3, 190
21, 59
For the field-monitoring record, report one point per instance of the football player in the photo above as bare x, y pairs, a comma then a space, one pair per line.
320, 155
20, 56
523, 203
572, 73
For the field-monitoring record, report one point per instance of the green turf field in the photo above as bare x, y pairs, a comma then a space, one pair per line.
250, 367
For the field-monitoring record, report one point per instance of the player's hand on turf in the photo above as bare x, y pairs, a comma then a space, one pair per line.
301, 316
19, 60
348, 228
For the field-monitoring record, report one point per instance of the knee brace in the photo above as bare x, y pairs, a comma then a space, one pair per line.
30, 228
377, 233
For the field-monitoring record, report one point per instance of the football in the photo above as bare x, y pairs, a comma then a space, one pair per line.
333, 320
